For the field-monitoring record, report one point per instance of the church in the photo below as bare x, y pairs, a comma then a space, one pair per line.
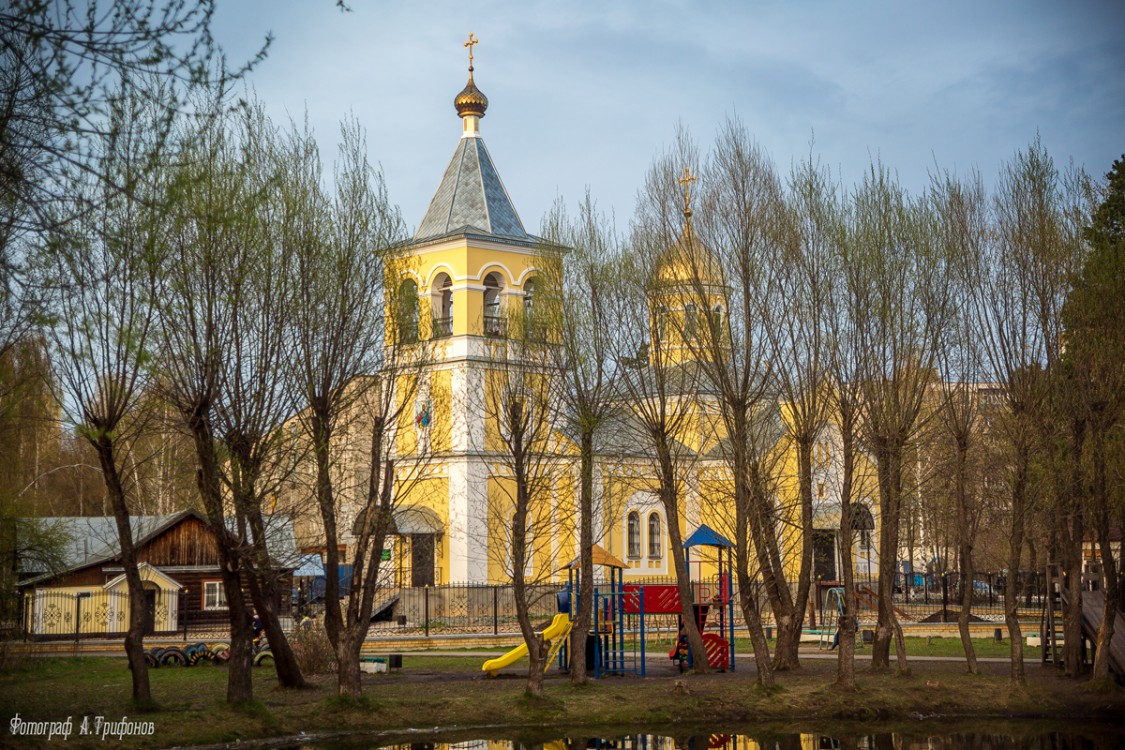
470, 264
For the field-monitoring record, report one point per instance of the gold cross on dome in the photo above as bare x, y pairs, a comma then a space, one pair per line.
472, 40
686, 181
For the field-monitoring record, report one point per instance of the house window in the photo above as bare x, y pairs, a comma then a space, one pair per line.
633, 534
214, 595
655, 540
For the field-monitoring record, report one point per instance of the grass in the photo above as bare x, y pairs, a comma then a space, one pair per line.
439, 690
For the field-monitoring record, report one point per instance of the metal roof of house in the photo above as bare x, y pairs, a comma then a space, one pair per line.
471, 199
93, 539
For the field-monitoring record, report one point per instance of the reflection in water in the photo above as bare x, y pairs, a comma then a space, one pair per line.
915, 740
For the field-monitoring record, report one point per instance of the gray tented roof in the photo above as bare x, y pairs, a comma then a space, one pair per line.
471, 199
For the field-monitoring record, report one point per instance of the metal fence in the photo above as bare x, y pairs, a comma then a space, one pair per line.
488, 609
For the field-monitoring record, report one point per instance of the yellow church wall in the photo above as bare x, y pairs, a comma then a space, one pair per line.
441, 397
551, 529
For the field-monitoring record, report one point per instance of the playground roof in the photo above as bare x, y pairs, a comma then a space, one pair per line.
601, 557
705, 536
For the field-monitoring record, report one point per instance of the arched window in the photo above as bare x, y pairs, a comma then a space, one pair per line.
443, 306
864, 523
655, 539
661, 324
717, 320
691, 320
633, 534
533, 328
492, 325
408, 312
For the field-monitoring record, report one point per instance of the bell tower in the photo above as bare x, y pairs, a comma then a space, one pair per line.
468, 265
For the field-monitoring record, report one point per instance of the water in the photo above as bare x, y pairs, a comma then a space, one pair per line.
922, 735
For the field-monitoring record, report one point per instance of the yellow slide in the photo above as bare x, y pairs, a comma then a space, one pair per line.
555, 632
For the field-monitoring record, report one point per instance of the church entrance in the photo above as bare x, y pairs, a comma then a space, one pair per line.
422, 559
824, 555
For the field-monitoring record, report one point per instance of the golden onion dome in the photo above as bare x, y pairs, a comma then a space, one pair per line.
689, 261
471, 100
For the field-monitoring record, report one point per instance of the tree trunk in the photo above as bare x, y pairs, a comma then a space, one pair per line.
1015, 548
747, 596
333, 616
262, 593
1111, 584
134, 636
762, 524
581, 623
1073, 532
348, 676
849, 624
804, 576
240, 682
966, 554
679, 564
890, 487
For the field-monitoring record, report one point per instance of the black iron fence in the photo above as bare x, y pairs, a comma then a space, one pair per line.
483, 609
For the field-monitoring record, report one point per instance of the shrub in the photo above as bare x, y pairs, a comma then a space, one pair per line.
312, 648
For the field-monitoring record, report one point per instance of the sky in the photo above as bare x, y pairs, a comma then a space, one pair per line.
585, 95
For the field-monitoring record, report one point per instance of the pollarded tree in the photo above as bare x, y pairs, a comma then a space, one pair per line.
101, 269
963, 227
574, 304
356, 368
1094, 314
659, 380
1039, 249
523, 411
901, 303
741, 222
223, 312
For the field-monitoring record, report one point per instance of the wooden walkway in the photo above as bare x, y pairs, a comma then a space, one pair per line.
1093, 604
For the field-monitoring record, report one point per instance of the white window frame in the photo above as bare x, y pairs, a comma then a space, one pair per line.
633, 541
214, 596
655, 541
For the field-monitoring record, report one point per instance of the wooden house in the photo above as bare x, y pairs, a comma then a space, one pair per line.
179, 561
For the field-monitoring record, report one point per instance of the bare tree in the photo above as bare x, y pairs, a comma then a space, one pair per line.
1023, 279
659, 377
523, 407
743, 222
575, 305
901, 306
963, 228
1092, 367
101, 270
221, 338
356, 369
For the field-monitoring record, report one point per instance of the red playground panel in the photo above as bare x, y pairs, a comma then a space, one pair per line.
660, 599
717, 648
718, 651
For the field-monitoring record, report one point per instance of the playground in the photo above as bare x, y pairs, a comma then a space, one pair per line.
618, 639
